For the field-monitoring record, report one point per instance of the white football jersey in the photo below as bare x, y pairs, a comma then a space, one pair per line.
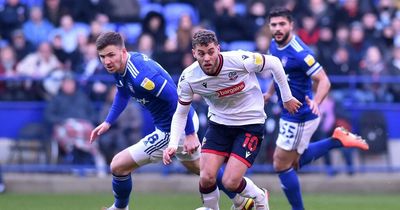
233, 95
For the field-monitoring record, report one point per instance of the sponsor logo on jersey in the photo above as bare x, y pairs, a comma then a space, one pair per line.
131, 87
142, 101
231, 90
148, 84
258, 59
232, 75
309, 59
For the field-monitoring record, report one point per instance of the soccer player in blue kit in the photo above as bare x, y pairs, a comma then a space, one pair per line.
143, 79
295, 130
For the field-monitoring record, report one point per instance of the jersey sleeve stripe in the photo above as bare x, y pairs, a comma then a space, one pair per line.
132, 69
313, 69
262, 68
162, 88
184, 102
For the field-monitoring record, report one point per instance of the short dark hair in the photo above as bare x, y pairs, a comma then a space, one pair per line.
204, 37
109, 38
280, 12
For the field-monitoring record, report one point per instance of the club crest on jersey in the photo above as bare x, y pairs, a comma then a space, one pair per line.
232, 75
182, 78
309, 59
284, 61
148, 84
204, 84
231, 90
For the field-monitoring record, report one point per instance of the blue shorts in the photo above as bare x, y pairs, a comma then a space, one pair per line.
242, 142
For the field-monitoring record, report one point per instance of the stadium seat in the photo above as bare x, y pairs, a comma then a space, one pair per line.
241, 9
148, 7
242, 45
32, 138
131, 31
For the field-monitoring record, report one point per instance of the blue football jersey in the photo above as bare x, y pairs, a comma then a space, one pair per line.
150, 85
299, 63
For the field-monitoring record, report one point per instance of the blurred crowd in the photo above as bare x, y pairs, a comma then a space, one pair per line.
45, 42
41, 40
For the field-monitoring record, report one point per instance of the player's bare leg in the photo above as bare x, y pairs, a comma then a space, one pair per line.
235, 181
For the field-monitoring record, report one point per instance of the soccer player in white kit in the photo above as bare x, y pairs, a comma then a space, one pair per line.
227, 82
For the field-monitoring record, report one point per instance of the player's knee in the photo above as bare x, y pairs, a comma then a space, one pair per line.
116, 165
231, 184
207, 179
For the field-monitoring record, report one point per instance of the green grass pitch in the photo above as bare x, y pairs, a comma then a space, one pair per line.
172, 201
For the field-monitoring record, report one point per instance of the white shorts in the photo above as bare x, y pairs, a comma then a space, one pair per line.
150, 148
296, 136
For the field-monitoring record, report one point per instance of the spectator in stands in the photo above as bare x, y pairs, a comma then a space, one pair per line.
229, 25
386, 11
262, 41
309, 30
394, 68
171, 58
184, 33
325, 46
123, 10
374, 66
370, 25
37, 29
53, 10
255, 17
342, 34
71, 115
154, 25
90, 68
357, 44
69, 33
8, 64
36, 66
146, 44
80, 9
349, 12
12, 15
21, 46
95, 30
126, 130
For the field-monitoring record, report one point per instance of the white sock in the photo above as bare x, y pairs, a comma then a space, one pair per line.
211, 199
252, 191
238, 200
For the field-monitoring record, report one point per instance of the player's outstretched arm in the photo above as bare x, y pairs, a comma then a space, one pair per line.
100, 129
177, 128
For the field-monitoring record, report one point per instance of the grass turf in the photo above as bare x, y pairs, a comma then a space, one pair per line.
172, 201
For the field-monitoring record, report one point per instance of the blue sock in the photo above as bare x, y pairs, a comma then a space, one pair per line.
122, 186
317, 149
291, 186
230, 194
